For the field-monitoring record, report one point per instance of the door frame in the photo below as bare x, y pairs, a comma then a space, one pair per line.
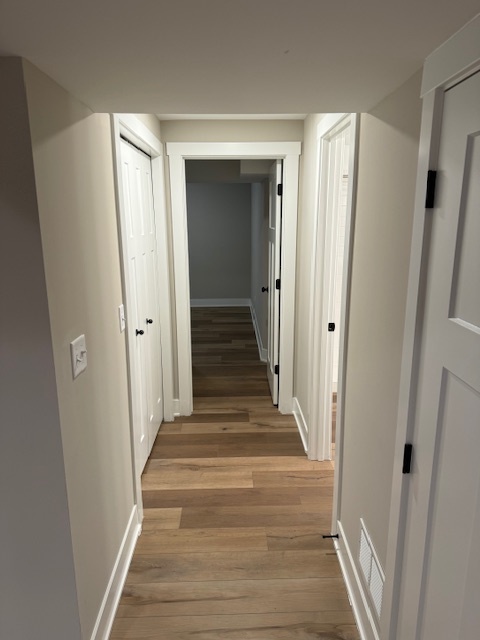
452, 62
136, 132
319, 436
178, 153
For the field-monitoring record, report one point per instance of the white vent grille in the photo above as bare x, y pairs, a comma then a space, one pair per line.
365, 556
376, 588
371, 569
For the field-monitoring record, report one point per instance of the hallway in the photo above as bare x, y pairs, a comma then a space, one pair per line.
231, 544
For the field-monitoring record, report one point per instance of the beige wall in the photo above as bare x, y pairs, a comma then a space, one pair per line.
388, 153
231, 130
73, 164
37, 582
151, 122
305, 234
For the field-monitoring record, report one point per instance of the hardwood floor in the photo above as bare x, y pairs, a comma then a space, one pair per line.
232, 544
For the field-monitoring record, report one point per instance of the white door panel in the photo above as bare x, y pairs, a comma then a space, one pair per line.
274, 238
440, 593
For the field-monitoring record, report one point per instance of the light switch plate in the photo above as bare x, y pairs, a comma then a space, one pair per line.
78, 352
121, 317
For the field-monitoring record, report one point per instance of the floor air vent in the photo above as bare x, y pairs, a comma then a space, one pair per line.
371, 569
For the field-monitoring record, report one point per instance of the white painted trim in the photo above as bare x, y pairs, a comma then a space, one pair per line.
355, 588
164, 296
240, 150
220, 302
288, 262
176, 407
345, 317
329, 122
443, 67
262, 351
428, 150
289, 153
457, 57
137, 132
178, 203
108, 608
301, 423
132, 128
319, 444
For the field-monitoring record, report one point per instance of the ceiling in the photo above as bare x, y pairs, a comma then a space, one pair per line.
225, 57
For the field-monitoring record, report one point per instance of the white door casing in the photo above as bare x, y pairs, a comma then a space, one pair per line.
441, 576
134, 130
178, 152
433, 563
329, 135
274, 276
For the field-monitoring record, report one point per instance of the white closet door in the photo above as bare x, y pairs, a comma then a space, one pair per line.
143, 322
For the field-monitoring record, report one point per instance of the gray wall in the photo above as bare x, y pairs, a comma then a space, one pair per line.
388, 152
259, 277
37, 580
219, 240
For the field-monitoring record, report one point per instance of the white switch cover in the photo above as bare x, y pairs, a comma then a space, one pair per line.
121, 317
78, 351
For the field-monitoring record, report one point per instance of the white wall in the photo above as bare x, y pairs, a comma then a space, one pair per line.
73, 163
231, 130
37, 582
259, 277
219, 240
388, 151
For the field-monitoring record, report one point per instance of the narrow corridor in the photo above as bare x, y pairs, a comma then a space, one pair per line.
232, 543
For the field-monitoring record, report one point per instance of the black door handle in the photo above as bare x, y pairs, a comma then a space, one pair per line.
149, 321
139, 332
264, 289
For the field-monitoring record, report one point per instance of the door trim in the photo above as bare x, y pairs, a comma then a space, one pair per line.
178, 152
319, 440
451, 62
135, 131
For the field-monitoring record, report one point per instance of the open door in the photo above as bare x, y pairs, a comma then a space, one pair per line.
274, 239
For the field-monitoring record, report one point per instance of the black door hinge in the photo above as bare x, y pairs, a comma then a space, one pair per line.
407, 458
277, 284
277, 370
430, 196
279, 189
331, 326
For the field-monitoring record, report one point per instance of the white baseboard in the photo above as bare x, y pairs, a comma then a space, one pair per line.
176, 407
109, 605
355, 588
301, 423
262, 352
168, 410
220, 302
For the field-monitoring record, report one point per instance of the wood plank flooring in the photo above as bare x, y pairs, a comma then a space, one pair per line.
232, 545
